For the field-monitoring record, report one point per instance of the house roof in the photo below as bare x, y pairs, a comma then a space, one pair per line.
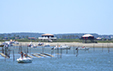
87, 35
47, 35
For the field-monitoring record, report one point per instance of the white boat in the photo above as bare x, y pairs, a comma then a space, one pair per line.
47, 45
61, 47
7, 44
24, 60
31, 45
40, 44
83, 48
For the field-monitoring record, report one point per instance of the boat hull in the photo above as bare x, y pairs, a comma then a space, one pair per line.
24, 60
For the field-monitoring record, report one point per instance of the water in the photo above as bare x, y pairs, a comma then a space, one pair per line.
85, 61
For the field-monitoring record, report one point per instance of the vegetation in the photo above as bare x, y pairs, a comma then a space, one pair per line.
27, 37
60, 40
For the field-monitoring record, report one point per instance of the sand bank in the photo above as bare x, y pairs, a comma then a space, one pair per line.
76, 44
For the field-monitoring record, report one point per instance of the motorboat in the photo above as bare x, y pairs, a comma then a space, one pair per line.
16, 42
7, 44
83, 48
61, 47
40, 44
24, 60
47, 45
31, 45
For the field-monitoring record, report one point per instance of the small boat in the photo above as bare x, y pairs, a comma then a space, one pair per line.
24, 60
31, 45
40, 44
83, 48
47, 45
61, 47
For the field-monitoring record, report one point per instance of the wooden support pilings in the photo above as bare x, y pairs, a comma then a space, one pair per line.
93, 47
43, 48
41, 54
77, 51
48, 54
4, 55
102, 47
29, 56
73, 50
66, 51
36, 55
52, 51
27, 50
61, 53
108, 48
13, 56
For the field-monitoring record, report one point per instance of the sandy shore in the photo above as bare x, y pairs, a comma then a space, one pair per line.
76, 44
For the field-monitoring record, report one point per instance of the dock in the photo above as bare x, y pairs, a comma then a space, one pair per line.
30, 56
47, 54
4, 55
41, 55
36, 55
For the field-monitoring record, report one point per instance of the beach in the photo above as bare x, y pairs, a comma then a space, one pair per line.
75, 44
71, 44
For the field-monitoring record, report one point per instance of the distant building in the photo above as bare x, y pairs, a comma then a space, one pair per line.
98, 38
47, 37
31, 38
88, 38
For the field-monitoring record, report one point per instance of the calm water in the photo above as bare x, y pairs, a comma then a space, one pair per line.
85, 61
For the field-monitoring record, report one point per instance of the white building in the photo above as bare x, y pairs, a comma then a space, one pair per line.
48, 37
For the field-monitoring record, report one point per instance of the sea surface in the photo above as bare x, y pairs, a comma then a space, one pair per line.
94, 59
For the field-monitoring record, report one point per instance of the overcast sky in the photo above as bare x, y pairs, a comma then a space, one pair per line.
56, 16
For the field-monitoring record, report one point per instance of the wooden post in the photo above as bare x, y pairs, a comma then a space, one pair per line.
73, 49
42, 49
27, 50
3, 50
60, 53
13, 56
108, 48
66, 51
57, 51
102, 47
93, 47
30, 50
51, 52
77, 52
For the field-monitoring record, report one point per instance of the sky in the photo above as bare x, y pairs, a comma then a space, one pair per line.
56, 16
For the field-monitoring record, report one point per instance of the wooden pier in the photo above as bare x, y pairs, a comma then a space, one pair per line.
4, 55
36, 55
30, 56
48, 54
41, 55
